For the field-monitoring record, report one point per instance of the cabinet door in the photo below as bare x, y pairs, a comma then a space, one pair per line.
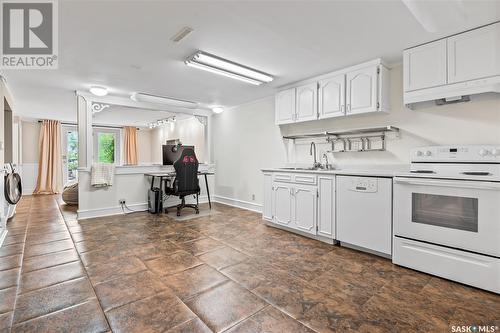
474, 54
282, 204
425, 66
267, 204
305, 208
331, 101
285, 106
362, 90
307, 102
326, 206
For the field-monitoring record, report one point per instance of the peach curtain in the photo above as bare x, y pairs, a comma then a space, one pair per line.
50, 176
130, 143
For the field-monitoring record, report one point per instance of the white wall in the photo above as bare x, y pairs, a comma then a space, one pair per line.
189, 130
30, 135
144, 146
245, 138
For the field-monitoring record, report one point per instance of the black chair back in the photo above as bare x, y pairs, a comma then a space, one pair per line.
186, 169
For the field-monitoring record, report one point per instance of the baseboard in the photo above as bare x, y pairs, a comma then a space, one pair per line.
3, 234
238, 203
108, 211
28, 191
305, 234
117, 210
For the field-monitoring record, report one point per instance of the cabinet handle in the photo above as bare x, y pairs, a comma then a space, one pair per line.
342, 109
348, 107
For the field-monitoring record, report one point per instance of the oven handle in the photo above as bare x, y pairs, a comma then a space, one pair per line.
448, 183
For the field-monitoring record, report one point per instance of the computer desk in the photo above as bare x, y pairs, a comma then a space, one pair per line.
170, 175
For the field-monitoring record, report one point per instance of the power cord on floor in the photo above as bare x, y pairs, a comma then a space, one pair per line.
124, 205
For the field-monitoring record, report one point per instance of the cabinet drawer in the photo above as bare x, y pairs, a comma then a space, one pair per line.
282, 177
304, 179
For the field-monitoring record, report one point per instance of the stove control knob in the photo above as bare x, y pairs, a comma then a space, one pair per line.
483, 152
418, 153
428, 153
495, 152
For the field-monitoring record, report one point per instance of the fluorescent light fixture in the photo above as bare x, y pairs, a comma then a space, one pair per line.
217, 65
147, 98
98, 91
217, 109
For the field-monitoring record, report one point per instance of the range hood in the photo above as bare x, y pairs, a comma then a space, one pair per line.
453, 93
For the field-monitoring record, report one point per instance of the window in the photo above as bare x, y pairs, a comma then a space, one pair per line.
445, 211
70, 153
106, 148
107, 145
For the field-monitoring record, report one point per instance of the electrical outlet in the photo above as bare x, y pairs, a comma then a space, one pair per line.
121, 201
253, 197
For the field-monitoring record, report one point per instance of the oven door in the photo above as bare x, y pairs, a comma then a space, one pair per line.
457, 213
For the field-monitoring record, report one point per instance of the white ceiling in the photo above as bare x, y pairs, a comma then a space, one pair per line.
125, 45
119, 115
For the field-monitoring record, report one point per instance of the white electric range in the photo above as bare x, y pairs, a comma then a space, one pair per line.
446, 218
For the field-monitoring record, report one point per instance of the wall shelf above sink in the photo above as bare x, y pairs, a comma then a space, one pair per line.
353, 140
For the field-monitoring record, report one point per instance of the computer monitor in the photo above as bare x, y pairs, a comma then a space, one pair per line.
172, 152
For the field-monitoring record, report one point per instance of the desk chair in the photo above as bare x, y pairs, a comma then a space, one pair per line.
186, 180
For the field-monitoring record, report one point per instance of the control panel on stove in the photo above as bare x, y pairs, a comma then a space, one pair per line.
464, 153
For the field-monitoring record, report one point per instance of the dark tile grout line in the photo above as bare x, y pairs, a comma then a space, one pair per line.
50, 285
84, 268
56, 311
20, 269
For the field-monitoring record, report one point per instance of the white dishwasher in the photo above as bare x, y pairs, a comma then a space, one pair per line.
364, 213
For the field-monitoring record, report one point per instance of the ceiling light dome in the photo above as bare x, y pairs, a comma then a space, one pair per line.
217, 109
98, 91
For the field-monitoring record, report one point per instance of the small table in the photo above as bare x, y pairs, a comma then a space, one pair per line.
170, 175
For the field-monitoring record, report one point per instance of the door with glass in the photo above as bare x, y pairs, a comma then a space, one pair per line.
70, 153
457, 213
106, 145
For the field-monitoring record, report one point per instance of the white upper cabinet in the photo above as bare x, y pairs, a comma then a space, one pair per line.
331, 97
305, 208
474, 54
358, 89
464, 64
307, 102
425, 66
361, 92
285, 106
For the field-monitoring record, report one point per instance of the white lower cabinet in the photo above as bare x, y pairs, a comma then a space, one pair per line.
303, 202
267, 210
304, 208
282, 204
326, 206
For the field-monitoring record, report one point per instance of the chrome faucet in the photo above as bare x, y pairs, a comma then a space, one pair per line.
316, 163
328, 166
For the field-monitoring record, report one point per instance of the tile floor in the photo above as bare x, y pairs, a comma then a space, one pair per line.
223, 272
